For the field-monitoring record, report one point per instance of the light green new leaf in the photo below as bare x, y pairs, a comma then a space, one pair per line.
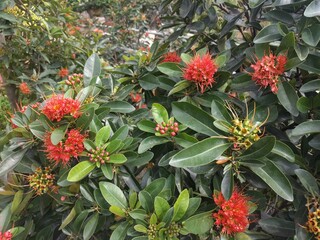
159, 113
80, 171
102, 135
181, 205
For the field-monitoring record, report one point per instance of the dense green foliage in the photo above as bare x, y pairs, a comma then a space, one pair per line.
150, 149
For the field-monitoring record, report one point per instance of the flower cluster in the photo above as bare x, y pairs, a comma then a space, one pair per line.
63, 72
58, 106
135, 98
244, 133
99, 155
232, 216
64, 151
41, 181
24, 88
267, 70
171, 57
313, 223
6, 235
75, 80
173, 230
200, 70
164, 128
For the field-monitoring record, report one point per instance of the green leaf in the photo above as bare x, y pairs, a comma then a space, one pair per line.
37, 129
227, 184
150, 142
117, 211
280, 16
155, 187
199, 224
278, 227
120, 107
260, 148
284, 151
194, 118
255, 3
201, 153
10, 160
91, 226
120, 232
311, 86
146, 126
107, 170
308, 181
268, 34
302, 51
92, 69
102, 136
179, 86
80, 171
69, 218
311, 63
113, 194
159, 113
58, 134
185, 8
288, 98
149, 82
311, 35
140, 228
117, 158
121, 133
304, 104
8, 17
308, 127
161, 206
229, 25
86, 118
5, 217
219, 111
272, 176
16, 201
146, 201
313, 9
181, 205
170, 69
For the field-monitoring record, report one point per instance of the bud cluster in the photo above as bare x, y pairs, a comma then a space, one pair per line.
152, 232
313, 223
173, 230
171, 128
41, 181
6, 235
99, 155
74, 80
244, 132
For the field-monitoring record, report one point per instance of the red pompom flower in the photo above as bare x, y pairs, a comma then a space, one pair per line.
24, 88
58, 106
267, 70
232, 216
200, 70
64, 150
171, 57
6, 235
63, 72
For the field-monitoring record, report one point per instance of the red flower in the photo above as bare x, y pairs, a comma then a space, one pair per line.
24, 88
58, 106
63, 72
63, 151
6, 235
201, 70
232, 216
267, 71
135, 97
171, 57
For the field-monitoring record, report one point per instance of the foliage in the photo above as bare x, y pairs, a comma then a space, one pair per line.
4, 110
143, 152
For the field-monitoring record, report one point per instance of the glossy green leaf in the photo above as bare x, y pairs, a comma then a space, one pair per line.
313, 9
117, 158
259, 149
150, 142
227, 184
288, 98
229, 25
194, 118
10, 160
274, 177
311, 35
102, 135
179, 86
255, 3
278, 227
302, 51
5, 217
146, 126
199, 223
118, 211
85, 119
181, 205
80, 171
280, 16
201, 153
311, 63
159, 113
219, 111
284, 151
120, 107
57, 135
161, 206
113, 194
313, 85
120, 232
90, 226
308, 127
18, 196
308, 181
140, 228
92, 69
146, 200
268, 34
304, 104
121, 133
170, 69
107, 170
68, 219
149, 82
37, 129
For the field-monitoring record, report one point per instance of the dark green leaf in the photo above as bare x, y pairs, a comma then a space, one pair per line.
311, 35
120, 107
113, 194
102, 136
288, 98
308, 127
10, 160
308, 181
149, 82
199, 224
181, 85
150, 142
278, 227
170, 69
268, 34
86, 118
259, 149
120, 232
304, 104
313, 85
284, 151
227, 184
